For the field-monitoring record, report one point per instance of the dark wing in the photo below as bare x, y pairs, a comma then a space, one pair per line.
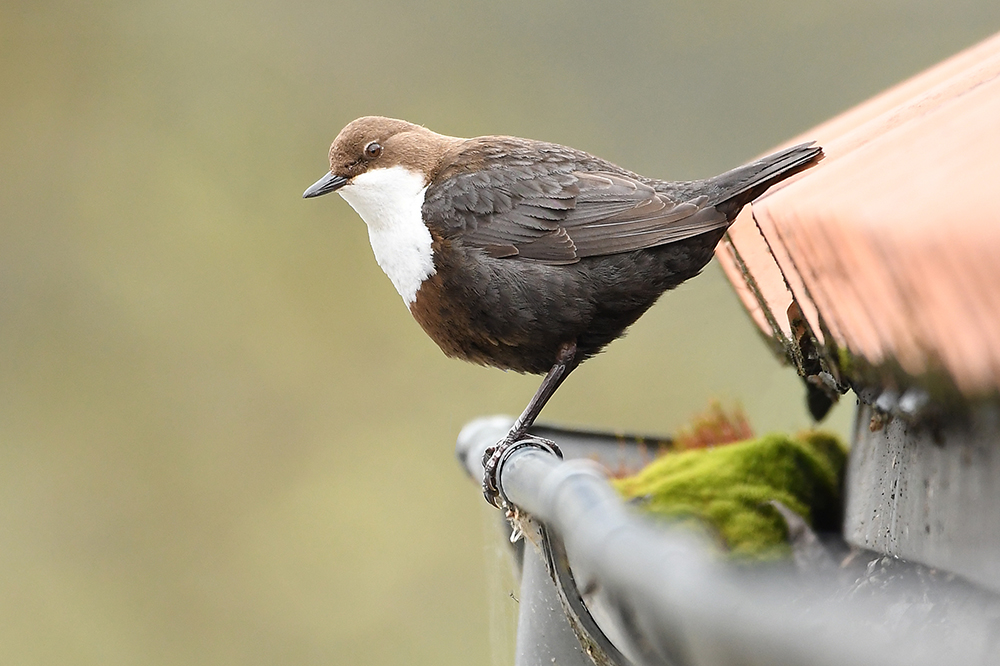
557, 216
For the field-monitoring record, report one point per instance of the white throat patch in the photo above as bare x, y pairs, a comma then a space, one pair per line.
390, 201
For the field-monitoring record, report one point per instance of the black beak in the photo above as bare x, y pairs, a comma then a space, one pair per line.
324, 185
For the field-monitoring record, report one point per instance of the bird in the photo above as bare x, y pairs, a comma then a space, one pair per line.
527, 255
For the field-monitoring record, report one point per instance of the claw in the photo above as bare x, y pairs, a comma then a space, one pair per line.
491, 458
494, 454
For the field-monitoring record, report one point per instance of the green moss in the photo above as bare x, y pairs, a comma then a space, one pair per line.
728, 489
845, 362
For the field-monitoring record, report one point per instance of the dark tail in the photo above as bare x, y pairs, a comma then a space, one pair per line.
735, 189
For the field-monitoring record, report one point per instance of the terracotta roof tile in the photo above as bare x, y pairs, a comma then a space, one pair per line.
891, 246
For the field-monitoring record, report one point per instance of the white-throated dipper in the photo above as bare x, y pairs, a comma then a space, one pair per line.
526, 255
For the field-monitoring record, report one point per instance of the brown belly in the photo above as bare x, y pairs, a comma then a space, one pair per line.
479, 330
515, 314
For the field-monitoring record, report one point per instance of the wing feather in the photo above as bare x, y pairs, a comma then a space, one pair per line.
559, 215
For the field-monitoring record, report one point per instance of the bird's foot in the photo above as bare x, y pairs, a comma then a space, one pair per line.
493, 456
491, 460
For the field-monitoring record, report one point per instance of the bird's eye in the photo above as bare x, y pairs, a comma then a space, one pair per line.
373, 150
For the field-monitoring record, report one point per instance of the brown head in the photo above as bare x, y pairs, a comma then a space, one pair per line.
377, 142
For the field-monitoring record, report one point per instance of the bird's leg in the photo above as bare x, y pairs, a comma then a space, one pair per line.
555, 376
564, 364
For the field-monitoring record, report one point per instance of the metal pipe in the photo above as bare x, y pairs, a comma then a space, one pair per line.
670, 600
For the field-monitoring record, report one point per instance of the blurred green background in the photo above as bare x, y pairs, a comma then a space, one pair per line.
222, 438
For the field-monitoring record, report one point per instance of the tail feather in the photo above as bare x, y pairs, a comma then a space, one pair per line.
734, 189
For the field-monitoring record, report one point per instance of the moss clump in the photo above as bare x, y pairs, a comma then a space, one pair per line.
729, 489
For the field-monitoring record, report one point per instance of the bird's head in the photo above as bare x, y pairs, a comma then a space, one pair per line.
375, 142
